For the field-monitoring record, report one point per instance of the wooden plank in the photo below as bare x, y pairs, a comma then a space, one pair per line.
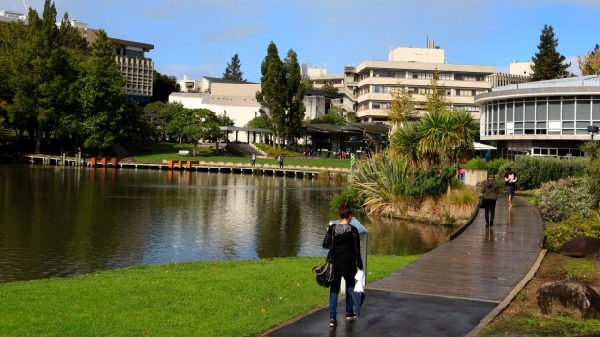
480, 264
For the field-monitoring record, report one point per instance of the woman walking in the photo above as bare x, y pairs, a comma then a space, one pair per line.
344, 241
490, 190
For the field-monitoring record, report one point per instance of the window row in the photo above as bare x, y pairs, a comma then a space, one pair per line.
424, 75
568, 108
537, 128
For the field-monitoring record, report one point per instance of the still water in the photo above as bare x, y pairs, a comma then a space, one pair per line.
57, 221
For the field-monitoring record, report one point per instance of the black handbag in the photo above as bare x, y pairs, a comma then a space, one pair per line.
324, 274
481, 201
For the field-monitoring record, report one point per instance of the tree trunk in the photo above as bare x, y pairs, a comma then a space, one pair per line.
38, 141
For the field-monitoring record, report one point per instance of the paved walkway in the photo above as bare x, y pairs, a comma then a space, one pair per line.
454, 290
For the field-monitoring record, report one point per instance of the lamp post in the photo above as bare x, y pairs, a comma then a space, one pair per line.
592, 129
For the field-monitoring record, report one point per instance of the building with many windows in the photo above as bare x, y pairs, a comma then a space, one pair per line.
545, 118
137, 69
371, 83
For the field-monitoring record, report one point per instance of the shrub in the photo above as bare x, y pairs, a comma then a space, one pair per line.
476, 164
557, 233
495, 165
533, 171
350, 194
559, 200
491, 166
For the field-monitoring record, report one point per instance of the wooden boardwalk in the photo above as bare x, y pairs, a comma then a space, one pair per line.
454, 290
482, 264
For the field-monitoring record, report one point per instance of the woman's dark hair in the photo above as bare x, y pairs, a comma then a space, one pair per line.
344, 210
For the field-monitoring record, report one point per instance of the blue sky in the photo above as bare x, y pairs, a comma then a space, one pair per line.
199, 37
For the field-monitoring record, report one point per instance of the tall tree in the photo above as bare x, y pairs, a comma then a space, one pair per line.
548, 62
234, 70
163, 86
402, 108
436, 95
295, 96
273, 93
589, 64
102, 95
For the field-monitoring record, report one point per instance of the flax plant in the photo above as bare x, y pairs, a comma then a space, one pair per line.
379, 182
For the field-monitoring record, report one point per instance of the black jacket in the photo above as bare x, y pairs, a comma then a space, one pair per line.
346, 250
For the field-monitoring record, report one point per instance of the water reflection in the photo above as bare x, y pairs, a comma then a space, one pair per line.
68, 221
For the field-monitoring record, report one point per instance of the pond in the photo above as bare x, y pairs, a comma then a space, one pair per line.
66, 221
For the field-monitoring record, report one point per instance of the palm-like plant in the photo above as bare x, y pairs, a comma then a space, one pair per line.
380, 181
404, 143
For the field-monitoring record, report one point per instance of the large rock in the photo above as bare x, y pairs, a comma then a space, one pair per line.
573, 298
580, 246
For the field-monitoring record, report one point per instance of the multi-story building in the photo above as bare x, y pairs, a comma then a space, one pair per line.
413, 69
236, 100
137, 69
544, 118
371, 84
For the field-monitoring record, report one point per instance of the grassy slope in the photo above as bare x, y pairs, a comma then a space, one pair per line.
157, 152
222, 298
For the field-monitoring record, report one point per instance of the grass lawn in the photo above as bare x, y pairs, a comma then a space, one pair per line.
220, 298
523, 318
157, 152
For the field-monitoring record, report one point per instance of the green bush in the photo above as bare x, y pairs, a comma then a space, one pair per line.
533, 171
557, 233
559, 200
495, 165
350, 194
476, 164
491, 166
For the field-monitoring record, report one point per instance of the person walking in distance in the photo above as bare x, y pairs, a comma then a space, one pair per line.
346, 258
280, 160
490, 190
253, 159
510, 179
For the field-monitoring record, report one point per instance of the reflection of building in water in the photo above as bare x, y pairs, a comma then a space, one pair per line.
394, 236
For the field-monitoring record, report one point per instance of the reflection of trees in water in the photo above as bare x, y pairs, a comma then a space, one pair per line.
401, 237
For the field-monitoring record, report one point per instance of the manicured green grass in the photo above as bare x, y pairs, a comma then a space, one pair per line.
157, 152
221, 298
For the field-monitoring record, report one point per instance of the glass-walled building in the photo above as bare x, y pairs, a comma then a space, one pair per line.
545, 118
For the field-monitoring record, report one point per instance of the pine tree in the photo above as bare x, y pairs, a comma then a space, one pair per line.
295, 106
233, 71
548, 62
273, 92
102, 95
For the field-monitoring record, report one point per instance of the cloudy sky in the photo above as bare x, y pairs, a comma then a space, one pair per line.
199, 37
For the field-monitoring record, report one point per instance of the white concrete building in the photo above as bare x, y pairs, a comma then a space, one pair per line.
543, 118
370, 84
236, 100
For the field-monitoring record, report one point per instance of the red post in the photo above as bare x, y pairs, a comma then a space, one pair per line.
188, 165
114, 162
93, 162
103, 162
170, 164
180, 165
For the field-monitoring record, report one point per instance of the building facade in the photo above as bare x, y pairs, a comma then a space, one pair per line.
370, 84
544, 118
137, 69
236, 100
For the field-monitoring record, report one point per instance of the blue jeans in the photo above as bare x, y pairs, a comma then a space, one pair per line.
333, 295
